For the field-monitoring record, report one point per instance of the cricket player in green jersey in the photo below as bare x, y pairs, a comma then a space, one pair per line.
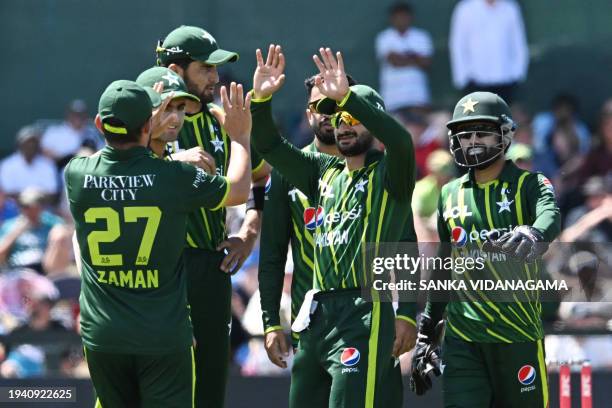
210, 256
130, 211
362, 197
493, 352
283, 225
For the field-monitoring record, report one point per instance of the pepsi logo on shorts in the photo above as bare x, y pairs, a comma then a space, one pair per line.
526, 375
350, 356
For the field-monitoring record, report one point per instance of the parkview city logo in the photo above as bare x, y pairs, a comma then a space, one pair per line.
313, 218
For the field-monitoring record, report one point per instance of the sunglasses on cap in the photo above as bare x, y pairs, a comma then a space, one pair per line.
345, 117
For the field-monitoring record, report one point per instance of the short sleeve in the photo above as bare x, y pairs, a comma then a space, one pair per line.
200, 189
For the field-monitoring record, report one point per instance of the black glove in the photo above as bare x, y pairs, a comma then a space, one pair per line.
524, 243
426, 359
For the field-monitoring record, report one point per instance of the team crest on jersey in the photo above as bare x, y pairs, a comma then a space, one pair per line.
526, 375
350, 356
313, 218
459, 237
268, 185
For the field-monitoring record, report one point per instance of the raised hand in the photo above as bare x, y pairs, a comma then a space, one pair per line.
236, 118
269, 77
332, 80
159, 124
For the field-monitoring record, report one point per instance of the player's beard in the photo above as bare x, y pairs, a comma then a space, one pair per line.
362, 144
323, 131
205, 97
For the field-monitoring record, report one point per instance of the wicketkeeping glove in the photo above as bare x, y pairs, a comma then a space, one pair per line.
524, 243
426, 359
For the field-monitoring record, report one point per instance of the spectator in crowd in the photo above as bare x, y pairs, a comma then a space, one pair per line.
488, 48
425, 142
24, 239
522, 155
404, 53
599, 159
28, 167
592, 221
8, 207
60, 142
560, 138
441, 169
41, 329
588, 307
26, 361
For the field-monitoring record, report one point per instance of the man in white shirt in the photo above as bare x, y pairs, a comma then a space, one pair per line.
28, 167
488, 48
61, 142
404, 53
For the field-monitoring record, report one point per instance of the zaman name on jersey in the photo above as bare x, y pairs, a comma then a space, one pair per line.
118, 188
146, 279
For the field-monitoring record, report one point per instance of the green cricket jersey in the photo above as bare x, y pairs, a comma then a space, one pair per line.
467, 211
130, 211
350, 208
205, 227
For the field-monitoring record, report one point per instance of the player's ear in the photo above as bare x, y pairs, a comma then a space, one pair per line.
176, 68
98, 122
308, 115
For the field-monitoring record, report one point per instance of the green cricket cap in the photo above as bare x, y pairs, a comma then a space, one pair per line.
328, 106
128, 104
173, 84
195, 43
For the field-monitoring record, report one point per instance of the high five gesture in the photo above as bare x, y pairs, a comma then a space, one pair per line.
269, 76
332, 81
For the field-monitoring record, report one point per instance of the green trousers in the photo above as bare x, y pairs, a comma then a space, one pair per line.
209, 292
344, 358
494, 375
142, 381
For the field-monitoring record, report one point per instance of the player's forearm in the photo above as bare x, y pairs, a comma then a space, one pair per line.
251, 225
239, 173
272, 260
290, 161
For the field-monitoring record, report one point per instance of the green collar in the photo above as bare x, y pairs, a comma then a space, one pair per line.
509, 173
124, 154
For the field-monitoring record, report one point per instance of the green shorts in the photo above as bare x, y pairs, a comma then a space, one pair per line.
344, 357
145, 381
500, 375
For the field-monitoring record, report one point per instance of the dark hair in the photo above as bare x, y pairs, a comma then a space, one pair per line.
181, 61
309, 83
401, 8
132, 136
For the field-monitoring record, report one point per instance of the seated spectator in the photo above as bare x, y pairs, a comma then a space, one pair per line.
26, 361
28, 167
441, 169
404, 53
560, 137
425, 142
42, 330
24, 239
61, 142
8, 207
592, 221
599, 159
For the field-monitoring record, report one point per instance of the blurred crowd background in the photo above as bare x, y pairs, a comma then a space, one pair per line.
420, 70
